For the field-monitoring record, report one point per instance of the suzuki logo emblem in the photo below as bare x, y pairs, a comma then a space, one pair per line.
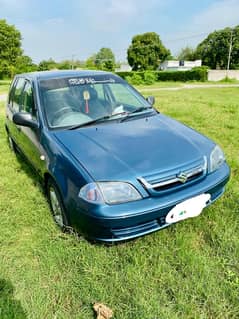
182, 177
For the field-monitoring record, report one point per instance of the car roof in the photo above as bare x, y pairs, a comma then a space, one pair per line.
41, 75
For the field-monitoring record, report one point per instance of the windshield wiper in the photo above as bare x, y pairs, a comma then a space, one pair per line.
73, 127
119, 113
107, 117
138, 110
100, 119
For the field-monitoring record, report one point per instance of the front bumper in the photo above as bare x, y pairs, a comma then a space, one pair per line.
130, 220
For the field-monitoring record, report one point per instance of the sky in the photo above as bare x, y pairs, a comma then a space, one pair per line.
66, 29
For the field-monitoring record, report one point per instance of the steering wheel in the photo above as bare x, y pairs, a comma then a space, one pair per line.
61, 112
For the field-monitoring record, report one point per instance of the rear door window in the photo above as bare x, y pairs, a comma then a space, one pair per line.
27, 101
16, 95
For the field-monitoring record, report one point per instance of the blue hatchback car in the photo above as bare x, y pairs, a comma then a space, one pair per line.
114, 168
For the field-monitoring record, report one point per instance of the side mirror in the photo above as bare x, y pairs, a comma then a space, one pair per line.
24, 119
151, 100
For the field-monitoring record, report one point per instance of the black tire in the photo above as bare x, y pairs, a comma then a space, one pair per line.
57, 207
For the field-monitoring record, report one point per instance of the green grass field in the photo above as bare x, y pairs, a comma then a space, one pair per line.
189, 270
4, 84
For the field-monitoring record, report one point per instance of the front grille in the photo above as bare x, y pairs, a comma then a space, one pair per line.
141, 229
178, 178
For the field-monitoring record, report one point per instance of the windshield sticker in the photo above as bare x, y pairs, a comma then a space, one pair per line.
82, 81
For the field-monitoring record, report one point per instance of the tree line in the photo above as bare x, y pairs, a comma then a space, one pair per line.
220, 49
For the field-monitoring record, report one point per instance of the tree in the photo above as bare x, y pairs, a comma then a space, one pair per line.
10, 48
105, 59
90, 62
65, 65
24, 64
187, 53
78, 64
146, 51
46, 65
10, 42
6, 70
214, 50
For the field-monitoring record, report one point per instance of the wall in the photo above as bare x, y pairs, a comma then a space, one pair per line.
217, 75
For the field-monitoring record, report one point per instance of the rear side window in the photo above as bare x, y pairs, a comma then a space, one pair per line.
27, 101
15, 95
11, 93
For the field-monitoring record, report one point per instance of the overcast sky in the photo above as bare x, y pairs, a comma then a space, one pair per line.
60, 29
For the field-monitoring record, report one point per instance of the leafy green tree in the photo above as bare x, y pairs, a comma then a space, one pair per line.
24, 64
65, 65
187, 53
46, 65
78, 64
146, 51
6, 70
10, 48
10, 42
105, 59
90, 62
214, 50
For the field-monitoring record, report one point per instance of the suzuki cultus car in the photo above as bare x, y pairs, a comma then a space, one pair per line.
114, 168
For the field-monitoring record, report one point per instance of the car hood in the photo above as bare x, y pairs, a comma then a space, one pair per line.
134, 148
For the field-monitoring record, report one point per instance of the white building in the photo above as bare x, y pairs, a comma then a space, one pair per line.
175, 65
124, 67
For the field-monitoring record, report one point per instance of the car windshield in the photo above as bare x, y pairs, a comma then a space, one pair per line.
75, 101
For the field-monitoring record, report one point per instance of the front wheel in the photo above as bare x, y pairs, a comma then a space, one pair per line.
57, 206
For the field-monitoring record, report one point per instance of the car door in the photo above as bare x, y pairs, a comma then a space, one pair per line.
29, 138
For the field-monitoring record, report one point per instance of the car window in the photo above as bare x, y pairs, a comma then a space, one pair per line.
17, 94
11, 93
124, 95
78, 100
27, 101
100, 91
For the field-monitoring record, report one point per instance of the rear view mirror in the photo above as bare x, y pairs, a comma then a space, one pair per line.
151, 100
24, 119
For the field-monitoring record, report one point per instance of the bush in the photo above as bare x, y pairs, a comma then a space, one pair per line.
149, 77
135, 79
125, 74
199, 73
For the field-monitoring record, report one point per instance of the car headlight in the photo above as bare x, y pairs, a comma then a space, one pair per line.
217, 158
109, 192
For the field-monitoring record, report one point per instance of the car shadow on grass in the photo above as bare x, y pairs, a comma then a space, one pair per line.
10, 308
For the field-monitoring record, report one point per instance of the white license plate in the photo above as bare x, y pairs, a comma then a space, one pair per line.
191, 207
